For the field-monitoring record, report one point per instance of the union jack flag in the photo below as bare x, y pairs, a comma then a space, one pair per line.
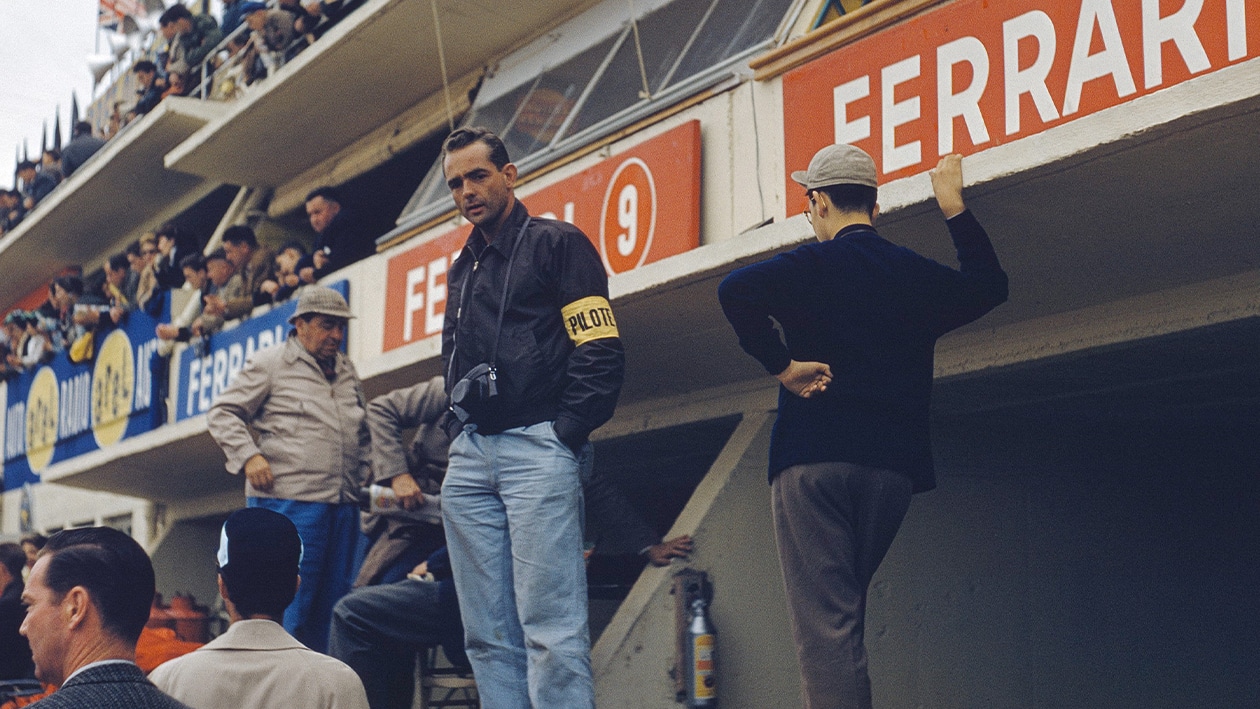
111, 12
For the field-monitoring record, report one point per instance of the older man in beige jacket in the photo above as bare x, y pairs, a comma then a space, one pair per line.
306, 404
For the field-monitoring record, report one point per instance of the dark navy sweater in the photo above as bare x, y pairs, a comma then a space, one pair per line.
873, 311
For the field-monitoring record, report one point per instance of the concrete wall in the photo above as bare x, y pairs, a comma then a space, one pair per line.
184, 561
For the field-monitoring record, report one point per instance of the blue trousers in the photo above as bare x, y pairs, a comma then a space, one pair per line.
512, 504
330, 534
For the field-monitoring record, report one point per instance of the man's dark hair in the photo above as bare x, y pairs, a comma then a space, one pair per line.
145, 66
196, 262
170, 230
55, 153
13, 559
264, 553
133, 249
35, 539
851, 198
112, 567
465, 137
119, 262
69, 284
173, 14
327, 192
82, 128
293, 244
219, 254
25, 165
240, 234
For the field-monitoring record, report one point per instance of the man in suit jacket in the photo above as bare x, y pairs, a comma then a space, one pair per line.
87, 601
256, 664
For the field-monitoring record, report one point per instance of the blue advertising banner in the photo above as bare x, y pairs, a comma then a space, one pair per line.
206, 371
61, 410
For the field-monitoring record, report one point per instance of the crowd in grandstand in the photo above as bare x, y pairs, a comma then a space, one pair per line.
198, 55
218, 287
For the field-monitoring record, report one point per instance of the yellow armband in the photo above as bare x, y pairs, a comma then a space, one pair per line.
590, 318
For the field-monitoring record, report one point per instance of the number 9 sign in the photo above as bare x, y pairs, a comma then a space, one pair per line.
627, 220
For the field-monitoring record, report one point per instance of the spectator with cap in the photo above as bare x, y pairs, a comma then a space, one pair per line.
82, 146
87, 602
256, 664
222, 285
340, 240
273, 30
36, 185
306, 404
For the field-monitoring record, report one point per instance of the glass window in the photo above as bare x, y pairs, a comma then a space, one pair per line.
734, 26
663, 35
556, 94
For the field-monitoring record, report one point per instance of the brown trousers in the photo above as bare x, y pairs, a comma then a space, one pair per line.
833, 523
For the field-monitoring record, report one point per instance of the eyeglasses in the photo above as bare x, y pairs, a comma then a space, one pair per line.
149, 252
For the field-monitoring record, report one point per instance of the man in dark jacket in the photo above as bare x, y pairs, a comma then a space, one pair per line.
340, 240
548, 377
861, 317
35, 184
87, 602
15, 652
82, 146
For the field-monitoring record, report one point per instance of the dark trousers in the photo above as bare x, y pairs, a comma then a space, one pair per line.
377, 630
833, 523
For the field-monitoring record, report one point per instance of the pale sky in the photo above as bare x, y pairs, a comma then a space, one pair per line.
44, 46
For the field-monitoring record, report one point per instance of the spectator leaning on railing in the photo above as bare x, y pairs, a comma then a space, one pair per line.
275, 27
35, 184
284, 282
340, 239
223, 286
11, 210
50, 164
180, 328
191, 37
253, 264
151, 87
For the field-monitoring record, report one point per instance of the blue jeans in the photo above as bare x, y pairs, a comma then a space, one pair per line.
512, 504
330, 534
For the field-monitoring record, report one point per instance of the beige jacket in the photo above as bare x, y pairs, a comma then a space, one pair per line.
256, 664
311, 432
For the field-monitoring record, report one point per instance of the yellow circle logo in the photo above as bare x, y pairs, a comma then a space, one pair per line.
41, 420
113, 385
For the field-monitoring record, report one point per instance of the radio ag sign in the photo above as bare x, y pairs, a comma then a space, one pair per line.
63, 409
977, 73
637, 207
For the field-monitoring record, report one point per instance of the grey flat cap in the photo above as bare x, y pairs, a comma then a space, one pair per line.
838, 164
321, 300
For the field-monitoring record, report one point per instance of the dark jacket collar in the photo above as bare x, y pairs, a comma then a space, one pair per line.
508, 233
853, 229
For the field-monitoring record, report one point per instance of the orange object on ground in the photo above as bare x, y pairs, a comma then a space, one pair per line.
157, 645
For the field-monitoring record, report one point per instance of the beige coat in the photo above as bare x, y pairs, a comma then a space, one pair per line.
256, 664
311, 432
